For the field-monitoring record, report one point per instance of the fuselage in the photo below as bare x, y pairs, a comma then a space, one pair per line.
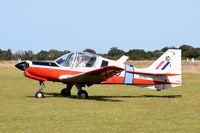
50, 71
81, 69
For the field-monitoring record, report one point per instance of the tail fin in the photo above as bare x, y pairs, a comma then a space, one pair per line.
122, 59
169, 62
165, 72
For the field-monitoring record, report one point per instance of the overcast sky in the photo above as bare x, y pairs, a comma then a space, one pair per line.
98, 24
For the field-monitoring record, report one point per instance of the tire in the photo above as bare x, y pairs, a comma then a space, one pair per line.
39, 94
65, 92
82, 94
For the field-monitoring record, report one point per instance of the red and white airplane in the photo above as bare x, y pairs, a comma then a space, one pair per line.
82, 68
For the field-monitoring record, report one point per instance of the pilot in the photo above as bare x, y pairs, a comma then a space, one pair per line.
81, 62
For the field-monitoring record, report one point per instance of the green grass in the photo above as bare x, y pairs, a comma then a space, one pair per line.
110, 108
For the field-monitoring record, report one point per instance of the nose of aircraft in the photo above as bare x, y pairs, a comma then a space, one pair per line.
22, 65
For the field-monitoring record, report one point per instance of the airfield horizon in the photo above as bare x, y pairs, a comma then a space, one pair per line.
187, 67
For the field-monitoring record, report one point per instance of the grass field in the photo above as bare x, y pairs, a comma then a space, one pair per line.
110, 108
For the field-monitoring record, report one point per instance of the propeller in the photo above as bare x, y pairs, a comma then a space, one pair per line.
22, 65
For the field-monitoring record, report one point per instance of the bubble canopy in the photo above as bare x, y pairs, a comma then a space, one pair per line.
77, 59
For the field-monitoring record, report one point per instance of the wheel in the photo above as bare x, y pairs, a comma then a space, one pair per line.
65, 92
82, 94
39, 94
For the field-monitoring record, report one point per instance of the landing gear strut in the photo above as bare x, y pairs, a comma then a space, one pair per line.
66, 92
40, 94
82, 94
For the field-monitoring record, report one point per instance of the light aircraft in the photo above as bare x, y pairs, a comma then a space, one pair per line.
85, 69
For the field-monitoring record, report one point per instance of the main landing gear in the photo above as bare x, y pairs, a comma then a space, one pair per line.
40, 94
66, 92
82, 94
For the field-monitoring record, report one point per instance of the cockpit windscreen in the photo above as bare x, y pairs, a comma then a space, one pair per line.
80, 59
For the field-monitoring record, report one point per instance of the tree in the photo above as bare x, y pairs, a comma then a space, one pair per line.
114, 51
136, 54
151, 55
194, 52
28, 55
42, 55
90, 51
54, 54
1, 54
9, 54
166, 48
157, 54
5, 54
24, 55
185, 47
187, 51
18, 55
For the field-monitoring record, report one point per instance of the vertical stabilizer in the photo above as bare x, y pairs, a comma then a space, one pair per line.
169, 62
164, 73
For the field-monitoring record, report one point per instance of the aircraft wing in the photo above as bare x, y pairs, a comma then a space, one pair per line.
94, 76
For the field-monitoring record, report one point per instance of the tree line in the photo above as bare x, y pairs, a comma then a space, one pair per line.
114, 53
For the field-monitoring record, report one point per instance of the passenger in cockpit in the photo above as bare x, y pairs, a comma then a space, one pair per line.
81, 62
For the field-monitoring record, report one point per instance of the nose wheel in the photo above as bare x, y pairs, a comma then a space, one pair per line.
40, 94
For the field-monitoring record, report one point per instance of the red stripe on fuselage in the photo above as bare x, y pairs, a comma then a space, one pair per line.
159, 65
155, 74
120, 80
152, 82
